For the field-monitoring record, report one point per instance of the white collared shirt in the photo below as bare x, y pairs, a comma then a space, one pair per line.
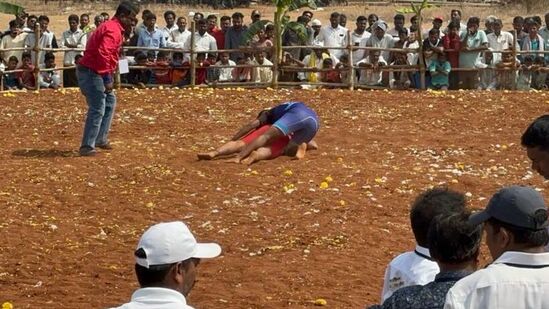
167, 31
333, 37
356, 39
501, 42
516, 280
409, 268
156, 298
77, 38
386, 41
202, 43
368, 76
178, 38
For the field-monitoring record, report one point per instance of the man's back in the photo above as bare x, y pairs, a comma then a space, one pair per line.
156, 298
515, 280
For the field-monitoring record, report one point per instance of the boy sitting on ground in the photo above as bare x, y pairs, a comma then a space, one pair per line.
10, 79
440, 69
49, 79
161, 72
27, 79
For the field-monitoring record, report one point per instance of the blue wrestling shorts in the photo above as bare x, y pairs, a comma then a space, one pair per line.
299, 121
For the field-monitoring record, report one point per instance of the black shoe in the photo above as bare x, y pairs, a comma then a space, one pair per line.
87, 152
106, 146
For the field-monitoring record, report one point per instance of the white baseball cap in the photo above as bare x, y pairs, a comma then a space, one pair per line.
172, 242
316, 22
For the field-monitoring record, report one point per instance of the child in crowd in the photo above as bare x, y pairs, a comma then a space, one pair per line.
371, 74
487, 66
178, 73
212, 74
399, 80
10, 79
539, 76
140, 77
225, 74
286, 72
201, 71
452, 46
161, 73
331, 76
241, 74
506, 75
49, 79
440, 70
343, 69
524, 79
27, 79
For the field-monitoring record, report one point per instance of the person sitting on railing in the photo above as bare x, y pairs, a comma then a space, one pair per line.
15, 39
151, 36
72, 38
380, 39
242, 74
27, 79
11, 82
49, 79
439, 70
224, 74
398, 79
46, 39
262, 74
140, 77
371, 74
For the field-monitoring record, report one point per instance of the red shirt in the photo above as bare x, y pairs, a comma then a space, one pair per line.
219, 37
455, 44
103, 47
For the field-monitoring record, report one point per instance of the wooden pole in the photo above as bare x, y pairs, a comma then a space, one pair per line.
351, 67
277, 50
514, 51
193, 58
37, 55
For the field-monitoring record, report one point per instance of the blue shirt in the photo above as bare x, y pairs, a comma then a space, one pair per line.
151, 39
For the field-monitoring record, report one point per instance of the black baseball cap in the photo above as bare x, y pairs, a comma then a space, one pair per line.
514, 205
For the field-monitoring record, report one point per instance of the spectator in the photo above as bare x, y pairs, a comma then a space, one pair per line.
203, 42
433, 47
262, 74
98, 20
178, 73
161, 72
308, 16
169, 18
536, 141
332, 74
452, 46
233, 36
454, 245
312, 61
380, 39
142, 76
334, 35
544, 33
11, 82
287, 74
518, 30
489, 24
201, 70
95, 77
49, 79
263, 42
524, 77
473, 42
15, 39
143, 17
26, 79
398, 21
151, 36
515, 222
371, 73
342, 20
316, 26
255, 16
197, 16
506, 74
372, 18
533, 41
487, 65
417, 267
342, 69
72, 38
180, 36
399, 80
455, 17
291, 37
31, 23
539, 75
437, 24
85, 23
242, 74
414, 22
46, 39
439, 70
225, 74
166, 259
106, 16
359, 35
499, 40
20, 20
213, 30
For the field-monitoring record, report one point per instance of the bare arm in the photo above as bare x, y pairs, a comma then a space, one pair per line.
246, 129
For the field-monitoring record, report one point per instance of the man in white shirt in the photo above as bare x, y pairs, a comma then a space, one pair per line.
515, 222
46, 39
370, 69
72, 38
334, 35
203, 41
499, 40
180, 36
398, 21
417, 267
358, 35
14, 39
225, 74
380, 39
165, 264
169, 17
262, 74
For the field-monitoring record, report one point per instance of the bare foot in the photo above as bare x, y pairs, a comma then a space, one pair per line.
207, 155
301, 150
233, 160
312, 145
248, 161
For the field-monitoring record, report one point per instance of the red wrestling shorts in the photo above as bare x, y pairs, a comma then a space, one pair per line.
277, 146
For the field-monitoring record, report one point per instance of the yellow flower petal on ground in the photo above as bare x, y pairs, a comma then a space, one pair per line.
328, 179
288, 173
324, 185
7, 305
320, 302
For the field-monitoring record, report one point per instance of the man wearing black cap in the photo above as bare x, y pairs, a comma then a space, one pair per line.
516, 233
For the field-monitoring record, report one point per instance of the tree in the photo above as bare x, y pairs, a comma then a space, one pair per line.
10, 8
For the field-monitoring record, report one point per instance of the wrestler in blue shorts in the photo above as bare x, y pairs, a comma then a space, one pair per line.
294, 119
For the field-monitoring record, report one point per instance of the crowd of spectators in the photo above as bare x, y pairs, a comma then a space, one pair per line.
456, 55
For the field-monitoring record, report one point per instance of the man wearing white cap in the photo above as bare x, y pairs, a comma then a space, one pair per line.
165, 264
379, 38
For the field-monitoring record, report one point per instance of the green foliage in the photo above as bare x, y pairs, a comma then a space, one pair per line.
252, 31
299, 29
9, 8
297, 4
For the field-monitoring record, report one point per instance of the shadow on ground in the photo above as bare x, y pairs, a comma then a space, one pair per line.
44, 153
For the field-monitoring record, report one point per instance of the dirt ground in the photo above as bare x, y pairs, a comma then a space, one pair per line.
71, 223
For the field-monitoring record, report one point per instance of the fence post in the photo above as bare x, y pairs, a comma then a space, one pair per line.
276, 58
422, 82
192, 59
514, 68
37, 55
351, 67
